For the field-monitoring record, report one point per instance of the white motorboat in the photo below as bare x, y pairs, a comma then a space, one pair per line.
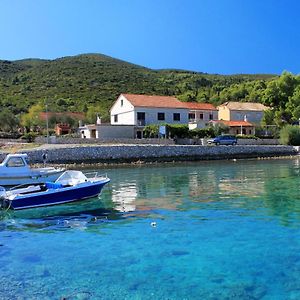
14, 170
69, 187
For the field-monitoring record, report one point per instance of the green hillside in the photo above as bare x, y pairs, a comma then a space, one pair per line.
77, 82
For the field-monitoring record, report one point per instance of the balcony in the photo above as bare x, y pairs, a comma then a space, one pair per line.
141, 123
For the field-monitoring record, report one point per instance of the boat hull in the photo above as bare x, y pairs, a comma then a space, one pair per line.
12, 180
58, 196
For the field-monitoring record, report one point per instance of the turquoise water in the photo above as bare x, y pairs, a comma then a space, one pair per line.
208, 230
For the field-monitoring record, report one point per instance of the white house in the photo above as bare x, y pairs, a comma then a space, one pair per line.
142, 110
107, 131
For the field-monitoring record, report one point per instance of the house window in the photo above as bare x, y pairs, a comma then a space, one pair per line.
176, 117
141, 115
192, 116
116, 118
211, 116
201, 116
237, 131
160, 116
121, 102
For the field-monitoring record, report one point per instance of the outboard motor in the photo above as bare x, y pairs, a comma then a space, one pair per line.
2, 192
2, 197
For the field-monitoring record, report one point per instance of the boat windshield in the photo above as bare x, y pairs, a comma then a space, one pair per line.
71, 178
15, 162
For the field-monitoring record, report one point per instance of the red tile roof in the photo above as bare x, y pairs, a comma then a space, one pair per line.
199, 106
234, 123
154, 101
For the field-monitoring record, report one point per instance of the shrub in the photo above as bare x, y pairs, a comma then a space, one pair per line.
290, 135
246, 136
177, 131
267, 132
151, 131
29, 137
202, 132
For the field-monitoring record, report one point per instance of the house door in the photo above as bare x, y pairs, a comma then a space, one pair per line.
93, 133
139, 134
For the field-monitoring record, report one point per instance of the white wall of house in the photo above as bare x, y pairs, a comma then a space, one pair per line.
115, 131
88, 132
152, 115
201, 118
122, 112
107, 131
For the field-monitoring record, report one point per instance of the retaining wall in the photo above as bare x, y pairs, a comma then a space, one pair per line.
72, 140
132, 153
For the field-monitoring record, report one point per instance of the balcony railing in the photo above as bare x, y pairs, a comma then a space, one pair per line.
141, 122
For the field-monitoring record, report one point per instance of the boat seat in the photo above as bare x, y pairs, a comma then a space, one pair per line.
53, 185
26, 190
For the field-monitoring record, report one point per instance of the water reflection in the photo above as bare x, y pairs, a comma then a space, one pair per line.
249, 185
124, 196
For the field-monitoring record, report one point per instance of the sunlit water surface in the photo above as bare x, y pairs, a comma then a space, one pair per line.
208, 230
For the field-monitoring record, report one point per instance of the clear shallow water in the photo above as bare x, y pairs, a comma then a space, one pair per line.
223, 230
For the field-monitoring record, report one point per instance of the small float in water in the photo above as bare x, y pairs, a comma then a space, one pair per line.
69, 187
14, 170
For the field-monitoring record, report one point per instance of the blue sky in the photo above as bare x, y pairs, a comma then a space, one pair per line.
213, 36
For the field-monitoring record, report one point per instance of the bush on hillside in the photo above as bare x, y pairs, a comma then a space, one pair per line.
290, 135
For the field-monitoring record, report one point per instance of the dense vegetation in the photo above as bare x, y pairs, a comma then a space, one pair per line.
290, 135
90, 83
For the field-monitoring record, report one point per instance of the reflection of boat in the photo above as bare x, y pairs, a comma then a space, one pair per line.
69, 187
15, 170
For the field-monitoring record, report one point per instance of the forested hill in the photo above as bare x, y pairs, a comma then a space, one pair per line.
78, 82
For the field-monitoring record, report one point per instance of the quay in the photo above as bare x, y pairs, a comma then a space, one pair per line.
106, 154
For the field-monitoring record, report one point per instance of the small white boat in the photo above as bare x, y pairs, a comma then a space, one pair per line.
69, 187
14, 170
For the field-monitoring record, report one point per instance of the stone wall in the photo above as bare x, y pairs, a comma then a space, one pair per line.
133, 153
80, 141
72, 140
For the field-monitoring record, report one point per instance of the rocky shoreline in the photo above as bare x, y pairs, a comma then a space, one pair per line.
118, 154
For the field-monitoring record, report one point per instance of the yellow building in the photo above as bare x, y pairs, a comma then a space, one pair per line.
242, 111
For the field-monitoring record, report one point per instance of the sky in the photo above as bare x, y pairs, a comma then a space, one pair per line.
212, 36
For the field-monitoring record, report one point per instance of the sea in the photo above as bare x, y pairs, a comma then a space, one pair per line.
194, 230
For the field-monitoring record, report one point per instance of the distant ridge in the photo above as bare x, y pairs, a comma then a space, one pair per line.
73, 83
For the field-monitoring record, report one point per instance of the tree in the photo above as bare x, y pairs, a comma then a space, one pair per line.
268, 117
32, 119
91, 114
293, 105
8, 121
279, 90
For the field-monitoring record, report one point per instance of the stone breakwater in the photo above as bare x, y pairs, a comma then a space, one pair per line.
148, 153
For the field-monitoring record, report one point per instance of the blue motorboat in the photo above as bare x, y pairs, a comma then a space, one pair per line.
69, 187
